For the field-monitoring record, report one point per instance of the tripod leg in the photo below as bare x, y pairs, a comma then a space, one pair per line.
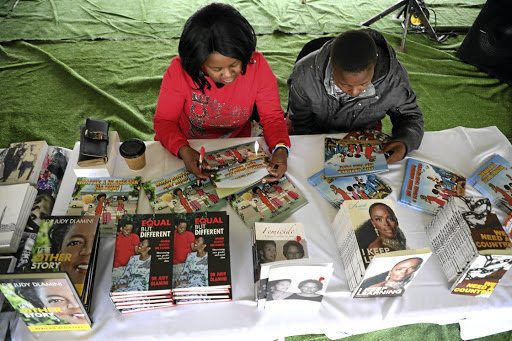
402, 48
421, 15
384, 13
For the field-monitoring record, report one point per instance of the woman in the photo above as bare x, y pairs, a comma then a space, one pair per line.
267, 250
277, 290
211, 88
308, 291
385, 224
293, 250
195, 272
136, 273
76, 240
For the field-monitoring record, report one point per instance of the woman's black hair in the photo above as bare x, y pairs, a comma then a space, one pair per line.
353, 51
56, 235
218, 28
319, 284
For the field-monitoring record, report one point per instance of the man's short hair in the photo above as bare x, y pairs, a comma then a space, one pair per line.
353, 51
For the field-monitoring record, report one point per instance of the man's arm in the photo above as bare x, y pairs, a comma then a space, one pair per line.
299, 112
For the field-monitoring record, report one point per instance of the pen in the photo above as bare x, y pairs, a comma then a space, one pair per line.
201, 157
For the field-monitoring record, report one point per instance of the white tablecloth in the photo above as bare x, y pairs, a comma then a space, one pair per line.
427, 299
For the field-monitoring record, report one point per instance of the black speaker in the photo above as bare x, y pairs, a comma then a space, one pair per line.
488, 44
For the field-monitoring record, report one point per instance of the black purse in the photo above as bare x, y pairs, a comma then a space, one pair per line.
93, 142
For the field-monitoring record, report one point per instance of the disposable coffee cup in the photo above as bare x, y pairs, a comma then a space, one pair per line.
134, 153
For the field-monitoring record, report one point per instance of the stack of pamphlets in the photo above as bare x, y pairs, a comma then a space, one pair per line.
284, 275
107, 198
471, 244
15, 206
374, 250
22, 162
427, 187
181, 192
337, 190
269, 201
45, 301
494, 180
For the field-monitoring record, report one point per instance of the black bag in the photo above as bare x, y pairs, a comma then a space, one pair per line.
93, 142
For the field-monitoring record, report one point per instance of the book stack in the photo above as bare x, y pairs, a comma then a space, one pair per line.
45, 301
15, 206
55, 290
427, 187
267, 201
181, 192
108, 198
205, 276
337, 190
494, 180
21, 162
7, 264
471, 244
374, 250
284, 274
162, 260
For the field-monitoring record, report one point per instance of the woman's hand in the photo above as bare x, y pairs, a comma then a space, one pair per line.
190, 157
396, 151
277, 165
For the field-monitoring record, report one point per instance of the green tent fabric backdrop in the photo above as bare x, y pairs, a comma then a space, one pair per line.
62, 61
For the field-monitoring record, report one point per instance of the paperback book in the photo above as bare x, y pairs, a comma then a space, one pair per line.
471, 244
494, 180
353, 157
67, 244
45, 301
22, 162
15, 204
269, 201
181, 192
366, 230
237, 167
427, 187
337, 190
368, 135
107, 198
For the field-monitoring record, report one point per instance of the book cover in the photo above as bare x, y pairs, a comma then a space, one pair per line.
494, 180
180, 192
15, 203
427, 187
270, 201
389, 274
376, 227
107, 198
206, 268
22, 162
237, 167
337, 190
297, 287
143, 254
65, 244
494, 249
45, 301
353, 157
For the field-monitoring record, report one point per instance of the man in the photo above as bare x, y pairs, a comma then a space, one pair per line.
351, 83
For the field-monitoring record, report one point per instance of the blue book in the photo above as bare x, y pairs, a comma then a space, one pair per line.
494, 180
337, 190
427, 187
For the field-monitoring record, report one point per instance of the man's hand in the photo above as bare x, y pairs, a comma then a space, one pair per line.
396, 151
277, 165
190, 157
